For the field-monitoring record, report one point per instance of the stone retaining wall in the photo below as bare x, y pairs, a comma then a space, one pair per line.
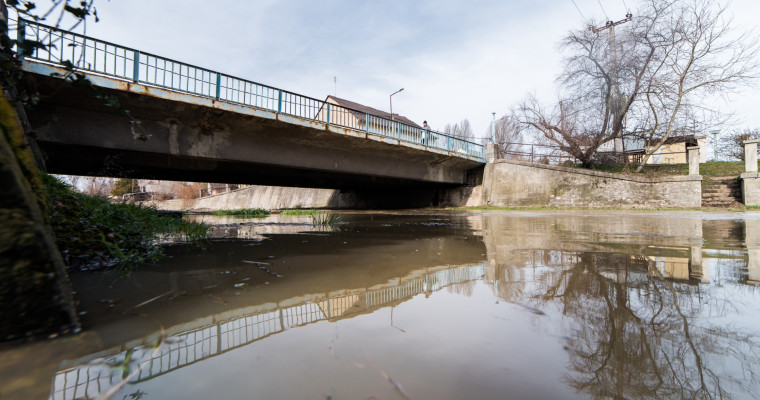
510, 183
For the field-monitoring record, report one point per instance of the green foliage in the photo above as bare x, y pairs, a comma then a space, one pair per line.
327, 219
713, 168
93, 233
123, 186
299, 212
721, 168
243, 212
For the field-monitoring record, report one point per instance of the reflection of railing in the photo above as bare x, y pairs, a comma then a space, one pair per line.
89, 380
51, 45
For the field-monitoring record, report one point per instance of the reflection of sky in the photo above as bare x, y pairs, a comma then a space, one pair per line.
186, 348
557, 322
470, 351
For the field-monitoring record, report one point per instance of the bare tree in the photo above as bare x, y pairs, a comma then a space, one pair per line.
732, 146
698, 54
603, 76
462, 130
646, 78
506, 134
97, 186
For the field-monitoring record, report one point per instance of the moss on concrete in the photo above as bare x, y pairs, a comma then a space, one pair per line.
35, 294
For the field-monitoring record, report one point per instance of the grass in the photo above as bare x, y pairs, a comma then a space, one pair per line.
243, 212
722, 168
708, 169
326, 219
93, 233
299, 212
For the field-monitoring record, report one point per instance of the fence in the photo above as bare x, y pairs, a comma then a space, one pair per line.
85, 54
550, 154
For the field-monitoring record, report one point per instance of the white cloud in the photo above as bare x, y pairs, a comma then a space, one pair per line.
455, 59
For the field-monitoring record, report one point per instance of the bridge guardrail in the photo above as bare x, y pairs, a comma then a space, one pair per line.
84, 53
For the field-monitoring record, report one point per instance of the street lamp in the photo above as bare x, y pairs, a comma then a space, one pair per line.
391, 100
493, 128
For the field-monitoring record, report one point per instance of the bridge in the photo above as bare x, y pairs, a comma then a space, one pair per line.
177, 121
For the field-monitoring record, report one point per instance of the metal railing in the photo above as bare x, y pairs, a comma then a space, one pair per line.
86, 54
554, 155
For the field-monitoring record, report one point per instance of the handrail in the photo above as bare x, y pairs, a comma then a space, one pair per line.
85, 53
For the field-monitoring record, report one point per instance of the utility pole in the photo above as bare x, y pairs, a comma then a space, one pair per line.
615, 105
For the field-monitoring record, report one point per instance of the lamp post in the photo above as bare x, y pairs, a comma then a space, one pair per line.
391, 100
493, 128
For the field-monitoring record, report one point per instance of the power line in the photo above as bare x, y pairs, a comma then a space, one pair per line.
579, 10
605, 12
626, 6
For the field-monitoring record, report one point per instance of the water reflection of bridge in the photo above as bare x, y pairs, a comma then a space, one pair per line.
189, 345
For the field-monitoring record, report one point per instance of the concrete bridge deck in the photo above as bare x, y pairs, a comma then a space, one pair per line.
188, 123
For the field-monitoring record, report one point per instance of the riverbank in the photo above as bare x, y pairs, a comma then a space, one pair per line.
93, 233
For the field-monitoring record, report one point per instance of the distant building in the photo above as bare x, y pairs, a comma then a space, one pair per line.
354, 115
672, 151
218, 188
154, 186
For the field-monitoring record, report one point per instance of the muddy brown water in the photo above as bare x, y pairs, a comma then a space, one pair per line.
421, 305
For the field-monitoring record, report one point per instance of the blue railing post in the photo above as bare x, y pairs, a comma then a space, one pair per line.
328, 113
398, 130
279, 101
366, 125
136, 70
448, 143
20, 36
218, 85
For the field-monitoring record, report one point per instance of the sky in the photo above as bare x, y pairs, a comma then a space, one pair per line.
454, 59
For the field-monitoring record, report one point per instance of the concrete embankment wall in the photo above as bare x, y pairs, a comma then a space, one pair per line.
511, 183
266, 197
506, 183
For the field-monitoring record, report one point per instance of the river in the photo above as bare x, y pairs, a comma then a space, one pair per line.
421, 305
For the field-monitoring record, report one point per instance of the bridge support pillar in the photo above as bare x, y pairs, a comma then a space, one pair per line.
750, 178
492, 152
693, 157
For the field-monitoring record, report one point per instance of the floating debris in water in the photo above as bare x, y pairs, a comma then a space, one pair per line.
256, 262
269, 271
217, 299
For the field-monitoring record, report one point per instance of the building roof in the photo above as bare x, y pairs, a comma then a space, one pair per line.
360, 110
690, 140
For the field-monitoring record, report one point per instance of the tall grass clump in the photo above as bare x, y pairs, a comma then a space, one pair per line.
326, 219
299, 212
93, 233
243, 212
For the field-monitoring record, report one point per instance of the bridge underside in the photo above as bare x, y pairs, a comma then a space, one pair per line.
188, 138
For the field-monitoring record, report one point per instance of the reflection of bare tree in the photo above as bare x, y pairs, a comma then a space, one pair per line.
638, 335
